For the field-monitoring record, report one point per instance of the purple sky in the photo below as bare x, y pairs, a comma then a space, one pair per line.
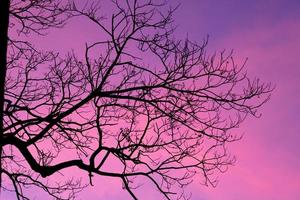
268, 33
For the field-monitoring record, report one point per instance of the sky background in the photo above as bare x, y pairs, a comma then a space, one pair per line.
267, 32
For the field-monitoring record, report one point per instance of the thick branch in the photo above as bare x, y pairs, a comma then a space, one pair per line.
4, 20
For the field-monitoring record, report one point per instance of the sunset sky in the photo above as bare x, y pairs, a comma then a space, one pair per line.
267, 32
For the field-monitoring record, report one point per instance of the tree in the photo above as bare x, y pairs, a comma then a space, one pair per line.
159, 109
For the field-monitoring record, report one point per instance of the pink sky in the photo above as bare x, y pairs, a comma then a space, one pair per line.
267, 32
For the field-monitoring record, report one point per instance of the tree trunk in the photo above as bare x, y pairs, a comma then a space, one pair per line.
4, 21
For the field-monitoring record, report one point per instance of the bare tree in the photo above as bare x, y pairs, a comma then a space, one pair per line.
159, 109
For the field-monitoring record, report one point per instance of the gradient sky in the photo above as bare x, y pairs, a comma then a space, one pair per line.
268, 33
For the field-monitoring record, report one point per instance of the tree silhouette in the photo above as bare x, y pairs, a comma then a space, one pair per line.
160, 110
